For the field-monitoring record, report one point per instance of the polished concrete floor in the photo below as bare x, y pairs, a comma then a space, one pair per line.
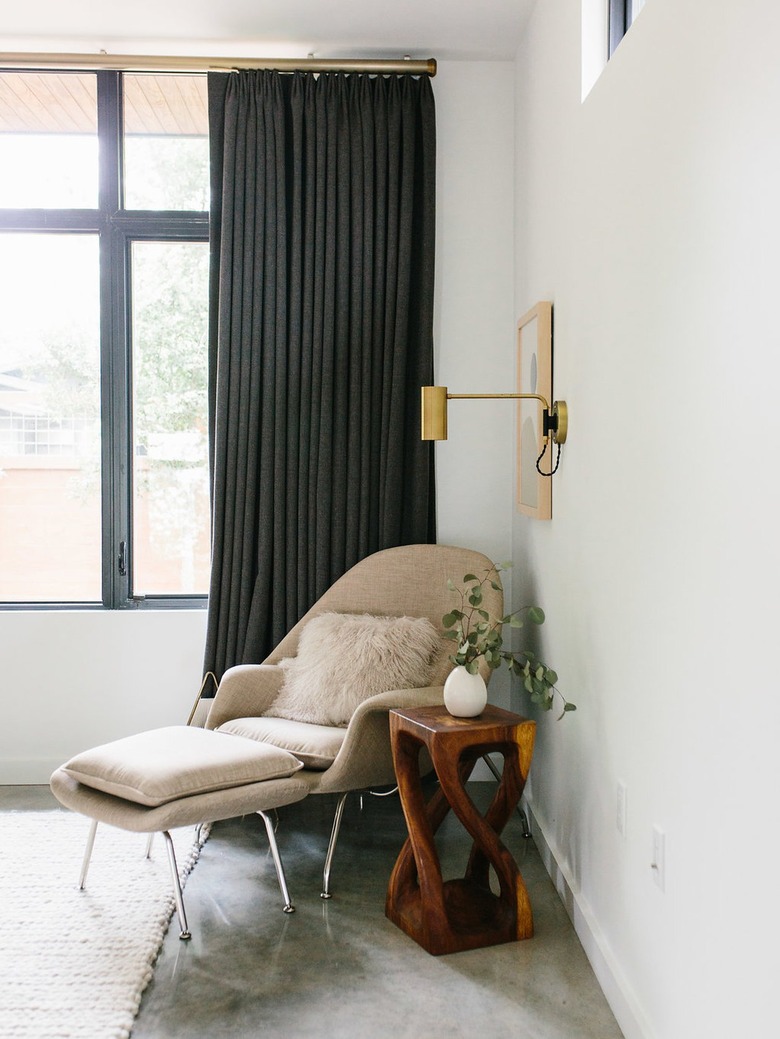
340, 969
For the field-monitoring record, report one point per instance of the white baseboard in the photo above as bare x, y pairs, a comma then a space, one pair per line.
619, 994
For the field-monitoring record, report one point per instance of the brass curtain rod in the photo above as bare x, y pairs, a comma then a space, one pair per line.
176, 63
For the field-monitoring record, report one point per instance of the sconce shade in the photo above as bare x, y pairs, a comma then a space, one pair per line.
434, 412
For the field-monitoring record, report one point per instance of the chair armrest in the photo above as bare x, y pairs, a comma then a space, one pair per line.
366, 758
427, 696
245, 691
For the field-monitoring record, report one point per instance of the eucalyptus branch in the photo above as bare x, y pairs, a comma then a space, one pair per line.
478, 634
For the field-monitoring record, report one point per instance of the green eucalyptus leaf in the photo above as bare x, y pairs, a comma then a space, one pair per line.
448, 620
496, 586
470, 577
472, 667
569, 707
536, 614
450, 585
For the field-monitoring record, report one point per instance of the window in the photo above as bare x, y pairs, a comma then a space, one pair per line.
104, 292
621, 17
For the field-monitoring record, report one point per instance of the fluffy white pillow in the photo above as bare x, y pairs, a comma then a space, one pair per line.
343, 658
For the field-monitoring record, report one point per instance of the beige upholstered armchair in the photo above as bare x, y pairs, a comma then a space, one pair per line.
409, 581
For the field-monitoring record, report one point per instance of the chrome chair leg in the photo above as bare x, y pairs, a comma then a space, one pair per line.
520, 811
87, 854
269, 827
334, 834
149, 839
184, 932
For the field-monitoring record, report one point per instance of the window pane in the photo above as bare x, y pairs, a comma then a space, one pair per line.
50, 541
48, 140
170, 482
166, 142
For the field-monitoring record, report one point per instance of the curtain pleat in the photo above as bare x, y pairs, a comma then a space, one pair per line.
322, 244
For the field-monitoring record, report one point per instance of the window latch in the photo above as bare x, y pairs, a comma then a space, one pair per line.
122, 559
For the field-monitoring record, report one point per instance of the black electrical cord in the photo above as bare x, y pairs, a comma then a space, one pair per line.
541, 456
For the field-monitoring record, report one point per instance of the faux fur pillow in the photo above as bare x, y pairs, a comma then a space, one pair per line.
343, 658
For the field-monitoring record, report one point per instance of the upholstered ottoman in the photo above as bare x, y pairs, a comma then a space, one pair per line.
179, 776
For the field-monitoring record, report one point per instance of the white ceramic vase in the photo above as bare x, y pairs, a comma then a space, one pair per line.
465, 695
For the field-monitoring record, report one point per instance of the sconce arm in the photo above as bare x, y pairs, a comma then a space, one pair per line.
499, 396
555, 419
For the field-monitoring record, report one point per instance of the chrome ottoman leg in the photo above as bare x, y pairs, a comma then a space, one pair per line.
269, 828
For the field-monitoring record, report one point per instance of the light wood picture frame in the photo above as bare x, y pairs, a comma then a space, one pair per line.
534, 375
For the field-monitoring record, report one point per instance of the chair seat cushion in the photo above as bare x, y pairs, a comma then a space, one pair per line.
315, 745
345, 658
162, 765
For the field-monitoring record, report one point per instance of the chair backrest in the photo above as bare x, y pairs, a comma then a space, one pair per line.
411, 581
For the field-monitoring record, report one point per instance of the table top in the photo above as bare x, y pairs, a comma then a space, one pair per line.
438, 720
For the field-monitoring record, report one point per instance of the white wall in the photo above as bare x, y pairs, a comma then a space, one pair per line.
474, 325
649, 215
74, 679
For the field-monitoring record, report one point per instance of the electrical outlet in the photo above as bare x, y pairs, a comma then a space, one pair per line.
658, 865
620, 816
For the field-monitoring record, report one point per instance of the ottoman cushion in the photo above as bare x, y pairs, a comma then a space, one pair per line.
162, 765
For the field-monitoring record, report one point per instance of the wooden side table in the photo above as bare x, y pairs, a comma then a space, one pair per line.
453, 915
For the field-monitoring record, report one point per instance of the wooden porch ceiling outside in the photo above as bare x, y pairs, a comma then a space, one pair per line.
167, 104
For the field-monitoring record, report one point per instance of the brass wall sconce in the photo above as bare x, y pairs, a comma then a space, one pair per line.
555, 419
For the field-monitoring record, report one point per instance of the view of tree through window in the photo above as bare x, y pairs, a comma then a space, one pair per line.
103, 445
170, 480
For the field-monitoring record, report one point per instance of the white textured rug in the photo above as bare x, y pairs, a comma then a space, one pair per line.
73, 964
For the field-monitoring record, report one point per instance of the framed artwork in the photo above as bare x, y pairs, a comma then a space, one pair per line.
534, 375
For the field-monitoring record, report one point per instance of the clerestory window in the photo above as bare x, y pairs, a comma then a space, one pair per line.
621, 16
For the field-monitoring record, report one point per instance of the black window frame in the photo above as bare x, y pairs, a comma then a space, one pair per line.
117, 228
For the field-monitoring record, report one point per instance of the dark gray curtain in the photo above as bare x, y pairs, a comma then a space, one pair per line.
322, 248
